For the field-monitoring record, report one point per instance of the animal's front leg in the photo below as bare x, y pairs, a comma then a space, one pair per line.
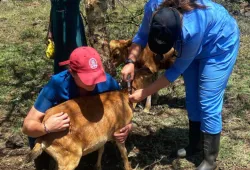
66, 159
99, 160
123, 151
147, 105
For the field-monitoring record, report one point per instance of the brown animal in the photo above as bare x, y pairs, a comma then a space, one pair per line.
119, 50
93, 121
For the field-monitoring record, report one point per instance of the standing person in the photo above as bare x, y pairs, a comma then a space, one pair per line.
206, 38
85, 76
66, 29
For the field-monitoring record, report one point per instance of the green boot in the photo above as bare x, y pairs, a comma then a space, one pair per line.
211, 146
194, 145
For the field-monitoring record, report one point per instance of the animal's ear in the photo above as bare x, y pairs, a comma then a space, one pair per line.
128, 42
114, 44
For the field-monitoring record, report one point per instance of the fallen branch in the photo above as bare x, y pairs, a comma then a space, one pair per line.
155, 162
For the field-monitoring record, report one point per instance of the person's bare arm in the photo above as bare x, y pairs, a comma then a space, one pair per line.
34, 127
134, 52
49, 33
141, 94
123, 133
129, 68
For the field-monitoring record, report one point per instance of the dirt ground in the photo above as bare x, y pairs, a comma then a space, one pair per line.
156, 135
141, 152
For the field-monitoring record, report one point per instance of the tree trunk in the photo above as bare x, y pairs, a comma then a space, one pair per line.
98, 38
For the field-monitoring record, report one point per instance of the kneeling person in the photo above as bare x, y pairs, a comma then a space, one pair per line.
85, 76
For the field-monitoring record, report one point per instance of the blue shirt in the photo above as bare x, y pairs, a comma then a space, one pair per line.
206, 33
62, 87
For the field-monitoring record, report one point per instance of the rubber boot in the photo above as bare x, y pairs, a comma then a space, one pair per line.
195, 142
211, 144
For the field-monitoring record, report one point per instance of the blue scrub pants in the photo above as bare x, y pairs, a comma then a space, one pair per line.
205, 82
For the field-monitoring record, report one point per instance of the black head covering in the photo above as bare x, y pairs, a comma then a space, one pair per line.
165, 29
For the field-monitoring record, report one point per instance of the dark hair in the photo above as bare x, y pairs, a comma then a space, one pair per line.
182, 5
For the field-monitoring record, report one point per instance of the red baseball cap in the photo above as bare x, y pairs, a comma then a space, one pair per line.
86, 62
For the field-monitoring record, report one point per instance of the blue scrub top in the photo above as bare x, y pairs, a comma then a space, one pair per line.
206, 33
62, 87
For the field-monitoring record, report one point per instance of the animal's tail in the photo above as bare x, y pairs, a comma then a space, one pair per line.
35, 152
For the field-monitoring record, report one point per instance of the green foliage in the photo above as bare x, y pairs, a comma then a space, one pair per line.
123, 22
23, 66
29, 33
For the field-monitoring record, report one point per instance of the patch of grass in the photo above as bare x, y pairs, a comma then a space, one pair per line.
235, 152
29, 33
23, 66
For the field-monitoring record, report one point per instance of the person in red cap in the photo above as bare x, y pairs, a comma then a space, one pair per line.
85, 76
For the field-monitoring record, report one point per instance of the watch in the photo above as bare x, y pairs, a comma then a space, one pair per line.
129, 61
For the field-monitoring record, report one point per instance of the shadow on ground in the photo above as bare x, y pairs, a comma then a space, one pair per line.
145, 152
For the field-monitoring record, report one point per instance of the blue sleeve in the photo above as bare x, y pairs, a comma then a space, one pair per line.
192, 39
109, 85
141, 37
47, 97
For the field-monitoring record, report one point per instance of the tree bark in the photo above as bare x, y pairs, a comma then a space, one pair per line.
98, 38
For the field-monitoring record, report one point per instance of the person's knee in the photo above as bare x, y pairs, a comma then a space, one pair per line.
211, 123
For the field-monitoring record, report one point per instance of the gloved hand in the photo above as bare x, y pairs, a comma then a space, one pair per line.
50, 49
